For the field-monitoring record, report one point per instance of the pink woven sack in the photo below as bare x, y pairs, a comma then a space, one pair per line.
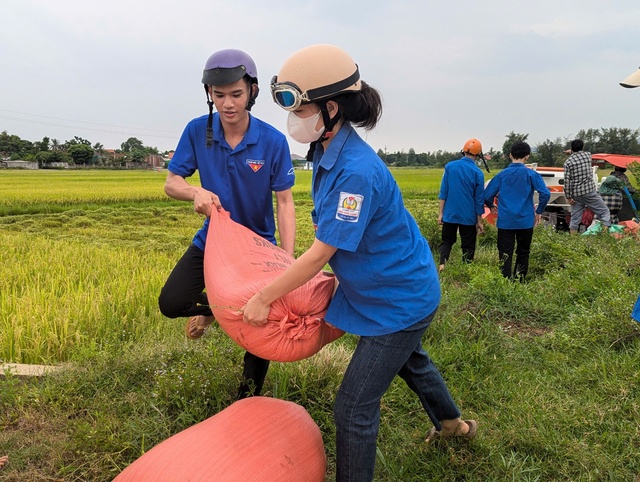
256, 439
237, 264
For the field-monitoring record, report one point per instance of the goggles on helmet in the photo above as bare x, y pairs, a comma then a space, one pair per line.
289, 96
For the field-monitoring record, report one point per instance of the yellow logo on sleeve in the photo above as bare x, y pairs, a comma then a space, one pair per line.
349, 207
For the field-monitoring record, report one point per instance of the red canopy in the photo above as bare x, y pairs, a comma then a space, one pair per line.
619, 160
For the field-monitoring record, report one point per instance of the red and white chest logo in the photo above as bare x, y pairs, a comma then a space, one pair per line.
256, 165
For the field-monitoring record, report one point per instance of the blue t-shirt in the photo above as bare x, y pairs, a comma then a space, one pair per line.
514, 187
243, 178
462, 189
635, 314
388, 279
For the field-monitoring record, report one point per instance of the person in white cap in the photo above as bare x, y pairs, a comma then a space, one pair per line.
632, 81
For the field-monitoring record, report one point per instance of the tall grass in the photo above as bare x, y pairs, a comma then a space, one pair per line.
86, 270
65, 295
548, 367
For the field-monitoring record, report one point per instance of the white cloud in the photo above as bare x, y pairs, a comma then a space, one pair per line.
583, 22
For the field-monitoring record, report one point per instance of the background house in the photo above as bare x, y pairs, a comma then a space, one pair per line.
19, 164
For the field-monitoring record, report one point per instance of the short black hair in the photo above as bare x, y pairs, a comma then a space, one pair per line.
520, 150
577, 145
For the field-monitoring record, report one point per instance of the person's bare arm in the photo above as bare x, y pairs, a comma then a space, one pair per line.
286, 219
178, 188
256, 311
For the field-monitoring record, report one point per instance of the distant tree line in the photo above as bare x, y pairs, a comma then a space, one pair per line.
76, 151
612, 140
79, 151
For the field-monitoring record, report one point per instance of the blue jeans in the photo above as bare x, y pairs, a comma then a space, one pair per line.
376, 361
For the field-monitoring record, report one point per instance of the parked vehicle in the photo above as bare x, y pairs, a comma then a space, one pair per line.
558, 210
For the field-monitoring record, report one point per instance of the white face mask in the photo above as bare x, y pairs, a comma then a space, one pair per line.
304, 130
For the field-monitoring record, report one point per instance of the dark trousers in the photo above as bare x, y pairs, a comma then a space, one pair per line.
468, 235
520, 239
183, 296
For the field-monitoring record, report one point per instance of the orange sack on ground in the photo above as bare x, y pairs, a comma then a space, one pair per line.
630, 226
237, 264
256, 439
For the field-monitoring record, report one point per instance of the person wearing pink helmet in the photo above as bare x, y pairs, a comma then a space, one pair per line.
388, 291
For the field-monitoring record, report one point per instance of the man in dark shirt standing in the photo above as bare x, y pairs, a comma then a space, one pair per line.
580, 188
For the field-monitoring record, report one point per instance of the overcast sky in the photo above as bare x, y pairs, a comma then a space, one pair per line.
447, 70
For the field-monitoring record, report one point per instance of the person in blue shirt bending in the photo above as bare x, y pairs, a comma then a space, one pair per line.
517, 214
461, 203
388, 290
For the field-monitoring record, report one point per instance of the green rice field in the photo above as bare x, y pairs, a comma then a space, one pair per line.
550, 368
85, 253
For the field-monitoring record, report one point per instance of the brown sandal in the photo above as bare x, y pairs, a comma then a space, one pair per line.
195, 327
436, 434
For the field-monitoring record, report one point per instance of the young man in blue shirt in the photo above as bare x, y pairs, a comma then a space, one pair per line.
461, 203
241, 161
517, 215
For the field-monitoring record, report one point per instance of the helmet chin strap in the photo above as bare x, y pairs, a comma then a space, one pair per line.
329, 124
210, 119
481, 156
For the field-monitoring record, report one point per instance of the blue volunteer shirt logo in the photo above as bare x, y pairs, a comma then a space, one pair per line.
255, 164
349, 207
